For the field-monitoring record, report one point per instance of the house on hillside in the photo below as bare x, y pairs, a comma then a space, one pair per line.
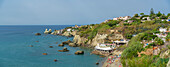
112, 31
162, 29
126, 18
122, 18
168, 19
106, 21
146, 18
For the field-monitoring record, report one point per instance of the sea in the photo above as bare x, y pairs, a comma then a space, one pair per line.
15, 50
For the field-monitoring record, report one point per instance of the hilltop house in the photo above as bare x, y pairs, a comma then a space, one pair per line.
122, 18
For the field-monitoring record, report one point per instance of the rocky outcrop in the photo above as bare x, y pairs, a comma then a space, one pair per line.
100, 53
79, 52
55, 32
37, 34
47, 31
72, 45
99, 38
165, 54
74, 33
67, 33
64, 50
79, 40
61, 45
66, 42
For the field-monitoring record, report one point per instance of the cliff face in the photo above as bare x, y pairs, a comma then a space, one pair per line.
79, 40
67, 33
91, 43
99, 38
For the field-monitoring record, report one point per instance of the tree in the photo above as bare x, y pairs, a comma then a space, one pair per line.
152, 11
168, 37
136, 15
168, 14
163, 16
158, 41
142, 14
159, 14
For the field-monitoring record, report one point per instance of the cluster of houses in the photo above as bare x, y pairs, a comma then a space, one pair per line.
142, 19
163, 33
122, 18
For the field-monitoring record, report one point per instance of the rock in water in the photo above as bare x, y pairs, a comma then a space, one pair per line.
31, 46
64, 50
37, 34
44, 53
50, 46
97, 63
56, 42
72, 45
55, 60
47, 31
66, 42
61, 45
79, 52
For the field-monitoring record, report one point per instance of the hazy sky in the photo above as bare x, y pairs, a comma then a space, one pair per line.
62, 12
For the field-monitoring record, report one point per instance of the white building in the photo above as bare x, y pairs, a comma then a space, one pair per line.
106, 21
105, 47
122, 18
147, 18
162, 29
68, 29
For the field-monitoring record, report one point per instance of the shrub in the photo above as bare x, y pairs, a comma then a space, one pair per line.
158, 41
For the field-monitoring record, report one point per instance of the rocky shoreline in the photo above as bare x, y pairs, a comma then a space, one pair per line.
79, 41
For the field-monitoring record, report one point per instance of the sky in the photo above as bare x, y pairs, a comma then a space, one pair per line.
71, 12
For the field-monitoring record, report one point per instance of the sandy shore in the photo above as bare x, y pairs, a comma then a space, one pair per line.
109, 62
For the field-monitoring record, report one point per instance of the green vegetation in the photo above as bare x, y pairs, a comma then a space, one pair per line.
152, 12
168, 37
130, 57
145, 61
158, 41
143, 28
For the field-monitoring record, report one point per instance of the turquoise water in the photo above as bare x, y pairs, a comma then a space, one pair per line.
15, 50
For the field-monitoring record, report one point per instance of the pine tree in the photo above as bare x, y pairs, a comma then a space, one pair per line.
159, 14
152, 11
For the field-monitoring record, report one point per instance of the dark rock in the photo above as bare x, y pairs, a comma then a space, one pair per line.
64, 50
61, 45
79, 52
37, 34
72, 45
36, 41
44, 53
31, 46
50, 46
56, 42
66, 42
97, 63
55, 60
